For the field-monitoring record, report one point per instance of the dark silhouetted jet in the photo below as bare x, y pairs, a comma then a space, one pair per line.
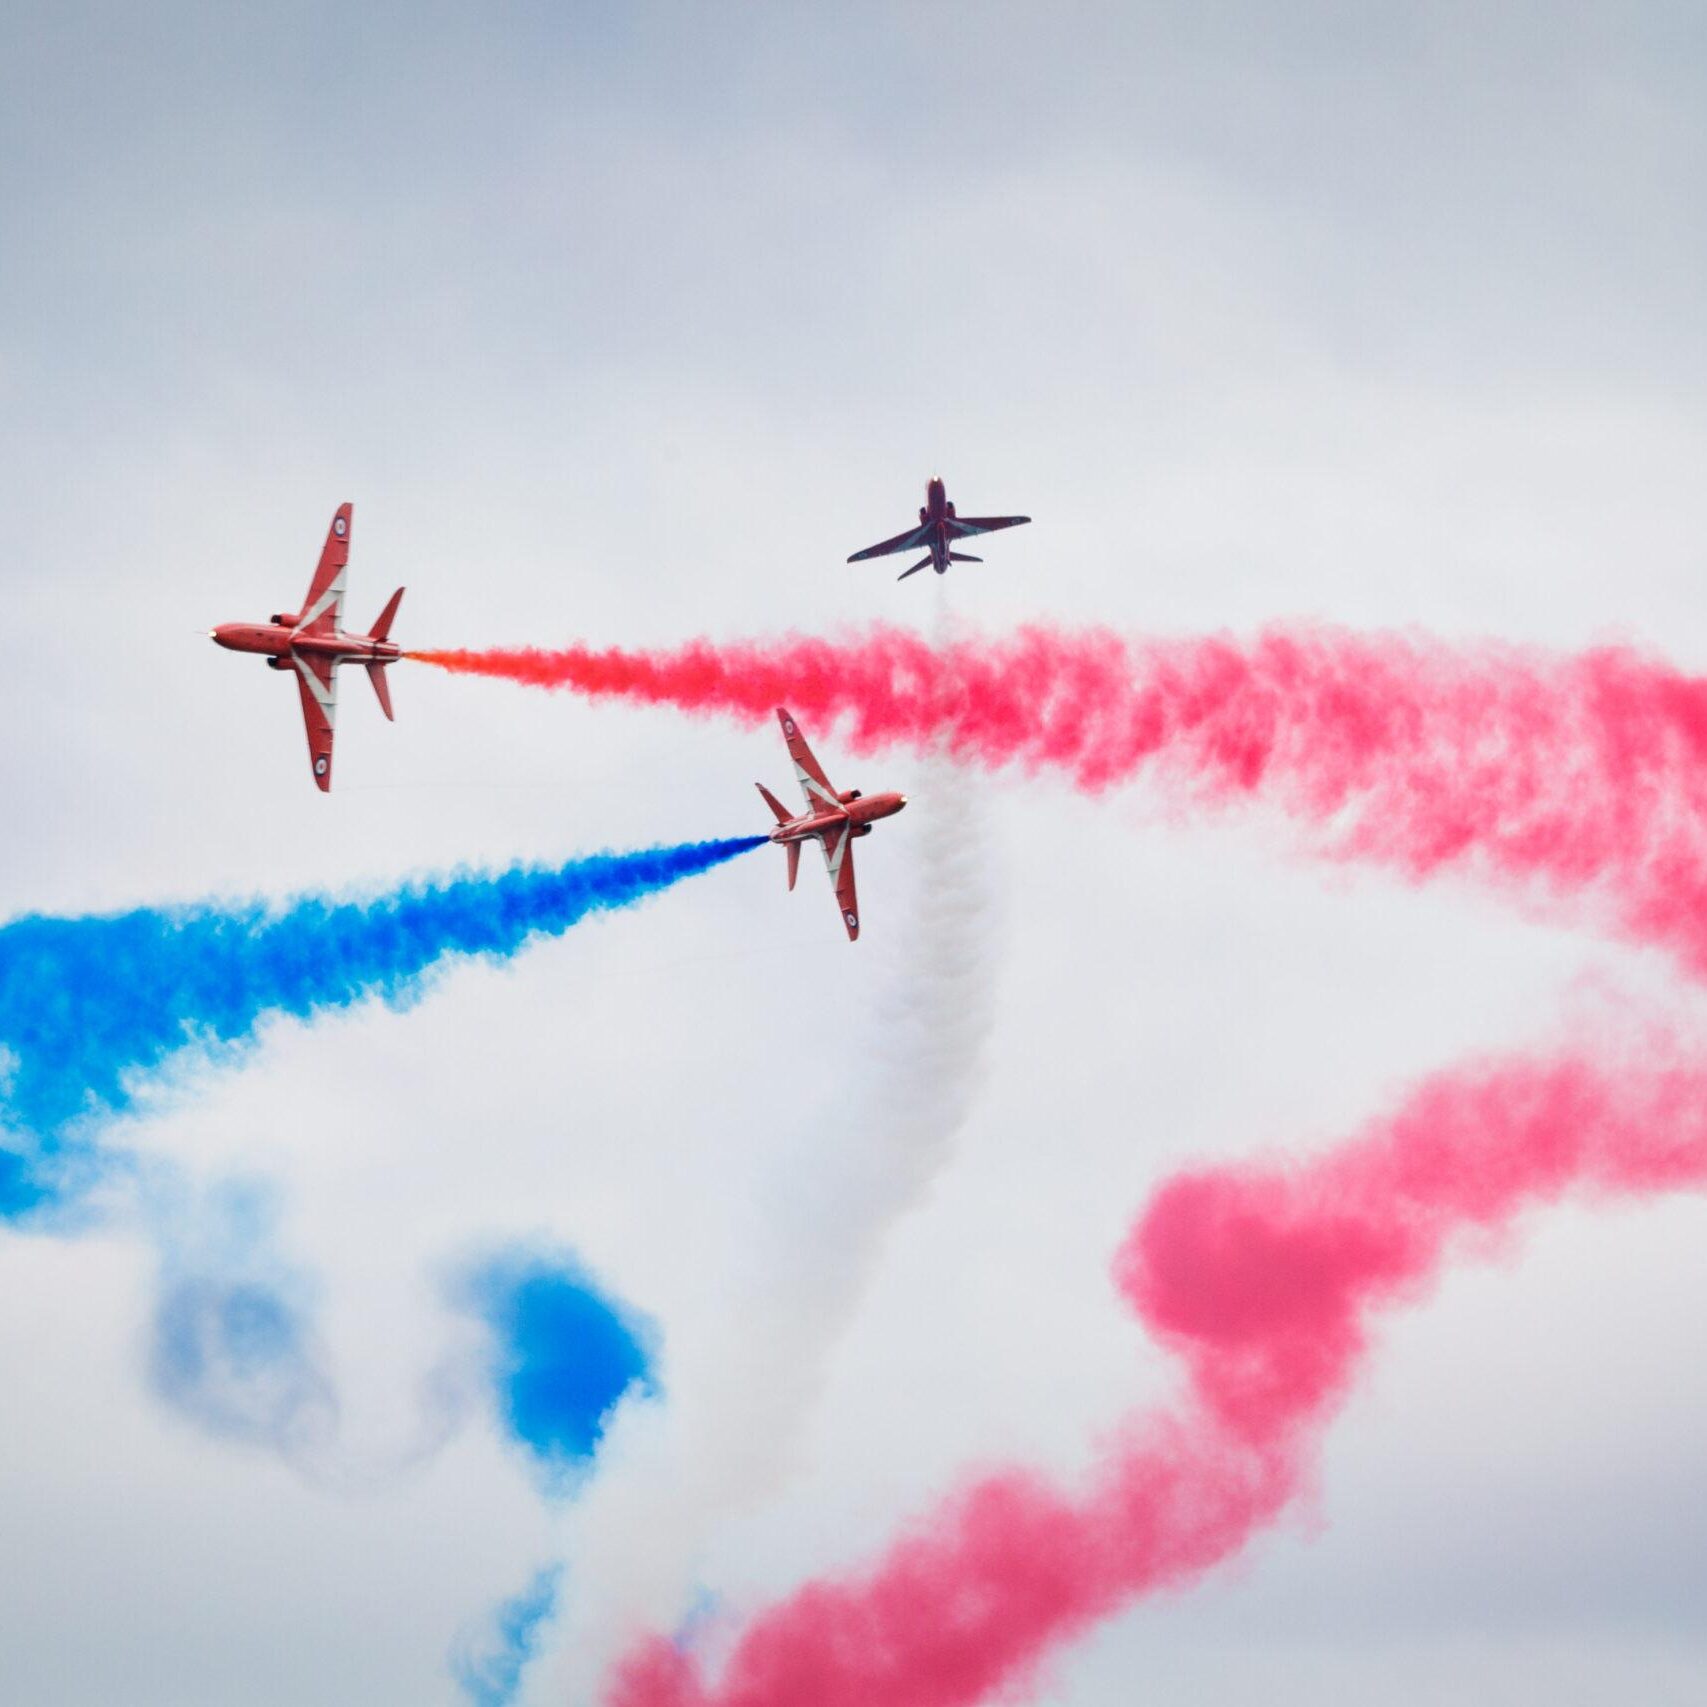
939, 527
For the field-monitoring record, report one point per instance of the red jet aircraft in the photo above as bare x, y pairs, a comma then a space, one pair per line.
939, 527
834, 819
311, 642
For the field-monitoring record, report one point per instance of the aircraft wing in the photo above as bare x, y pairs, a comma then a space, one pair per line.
964, 527
317, 681
838, 861
807, 771
911, 540
323, 609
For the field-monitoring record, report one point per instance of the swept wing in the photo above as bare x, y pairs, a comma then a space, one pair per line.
317, 681
965, 527
839, 862
820, 794
912, 540
323, 609
836, 840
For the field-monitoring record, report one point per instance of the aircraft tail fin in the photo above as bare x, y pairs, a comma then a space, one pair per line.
793, 861
382, 690
782, 812
923, 563
963, 557
382, 628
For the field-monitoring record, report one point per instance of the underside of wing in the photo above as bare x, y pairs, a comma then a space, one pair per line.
964, 527
820, 794
839, 862
323, 609
911, 540
317, 682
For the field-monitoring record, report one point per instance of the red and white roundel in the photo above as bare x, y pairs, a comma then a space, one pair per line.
320, 765
851, 918
340, 527
788, 725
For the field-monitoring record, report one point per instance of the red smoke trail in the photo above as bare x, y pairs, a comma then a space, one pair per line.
1550, 775
1260, 1280
1562, 774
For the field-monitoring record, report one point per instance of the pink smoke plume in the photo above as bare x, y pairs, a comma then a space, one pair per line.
1556, 774
1261, 1280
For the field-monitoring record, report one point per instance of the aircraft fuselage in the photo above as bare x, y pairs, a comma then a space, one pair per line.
833, 818
940, 529
934, 513
309, 643
860, 813
277, 640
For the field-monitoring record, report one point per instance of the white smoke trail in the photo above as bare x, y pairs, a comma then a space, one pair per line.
737, 1411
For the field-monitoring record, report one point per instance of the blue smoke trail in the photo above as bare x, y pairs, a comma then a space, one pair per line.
491, 1678
234, 1347
564, 1353
89, 1006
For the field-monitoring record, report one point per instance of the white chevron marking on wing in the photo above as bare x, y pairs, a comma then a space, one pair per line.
325, 697
332, 599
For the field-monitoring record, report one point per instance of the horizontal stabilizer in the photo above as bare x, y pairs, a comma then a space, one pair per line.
963, 557
382, 628
923, 563
793, 861
382, 689
782, 812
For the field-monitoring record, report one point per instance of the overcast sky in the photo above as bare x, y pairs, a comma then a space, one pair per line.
630, 322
